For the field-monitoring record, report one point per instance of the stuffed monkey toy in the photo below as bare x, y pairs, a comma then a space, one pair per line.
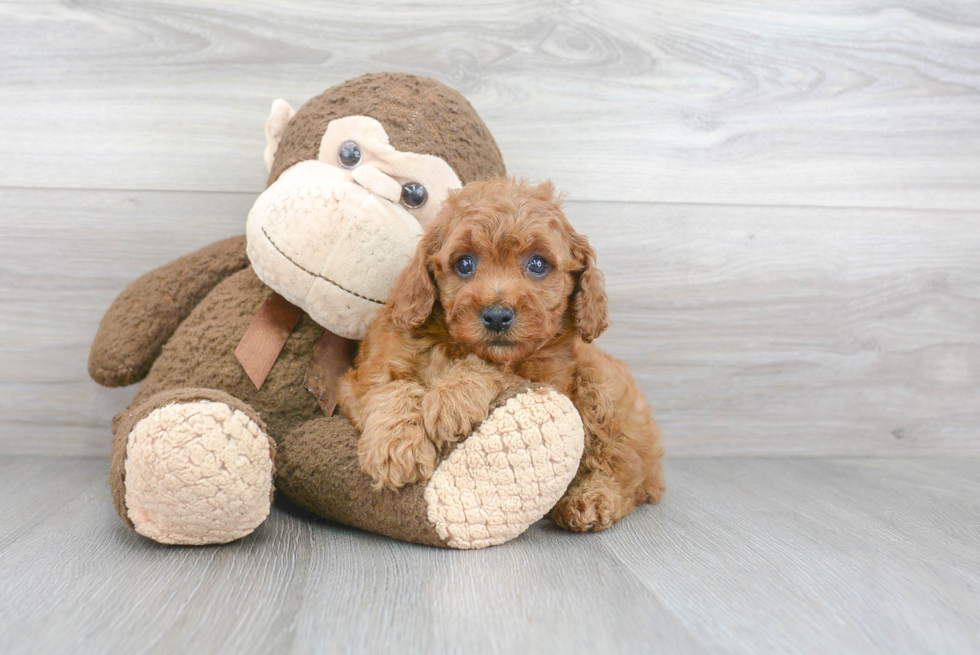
240, 346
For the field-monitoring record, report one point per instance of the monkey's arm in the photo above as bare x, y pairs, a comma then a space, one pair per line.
142, 318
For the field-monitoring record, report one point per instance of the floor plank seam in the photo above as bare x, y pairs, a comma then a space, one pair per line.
569, 200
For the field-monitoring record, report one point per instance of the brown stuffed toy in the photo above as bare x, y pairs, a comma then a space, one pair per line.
241, 344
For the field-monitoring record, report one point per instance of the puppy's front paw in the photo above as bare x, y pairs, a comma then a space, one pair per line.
396, 455
585, 511
450, 413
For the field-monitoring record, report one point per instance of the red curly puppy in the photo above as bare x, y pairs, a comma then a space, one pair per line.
501, 290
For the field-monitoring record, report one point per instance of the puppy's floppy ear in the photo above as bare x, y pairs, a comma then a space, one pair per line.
414, 293
590, 306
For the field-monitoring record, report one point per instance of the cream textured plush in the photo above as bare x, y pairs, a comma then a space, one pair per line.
214, 463
340, 271
508, 473
275, 127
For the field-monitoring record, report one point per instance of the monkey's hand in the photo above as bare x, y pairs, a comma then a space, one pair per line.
144, 316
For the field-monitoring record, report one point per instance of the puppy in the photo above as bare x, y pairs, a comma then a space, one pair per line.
501, 290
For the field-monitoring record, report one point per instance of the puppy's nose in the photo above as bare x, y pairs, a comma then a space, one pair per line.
497, 317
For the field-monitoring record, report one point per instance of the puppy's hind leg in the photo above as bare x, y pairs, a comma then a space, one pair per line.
606, 490
593, 502
621, 465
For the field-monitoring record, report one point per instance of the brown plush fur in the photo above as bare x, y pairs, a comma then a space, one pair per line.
419, 114
144, 316
429, 367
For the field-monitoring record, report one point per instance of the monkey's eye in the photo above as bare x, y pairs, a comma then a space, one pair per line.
349, 155
414, 195
465, 265
536, 265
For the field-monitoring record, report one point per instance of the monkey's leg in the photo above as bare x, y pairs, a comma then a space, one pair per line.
495, 484
191, 467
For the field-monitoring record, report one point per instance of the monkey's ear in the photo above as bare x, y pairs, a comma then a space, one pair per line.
590, 305
275, 127
414, 293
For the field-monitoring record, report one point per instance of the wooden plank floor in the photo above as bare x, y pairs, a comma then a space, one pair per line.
742, 556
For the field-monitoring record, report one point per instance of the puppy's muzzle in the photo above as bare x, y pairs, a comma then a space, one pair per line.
497, 318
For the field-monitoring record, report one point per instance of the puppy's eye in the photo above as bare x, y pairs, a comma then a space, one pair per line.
414, 195
465, 265
349, 155
536, 265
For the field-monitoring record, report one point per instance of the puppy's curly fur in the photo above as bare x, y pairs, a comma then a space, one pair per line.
434, 358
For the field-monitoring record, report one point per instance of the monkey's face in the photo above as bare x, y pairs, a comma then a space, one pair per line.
331, 235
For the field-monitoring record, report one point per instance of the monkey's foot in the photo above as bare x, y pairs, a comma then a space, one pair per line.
509, 472
194, 471
492, 487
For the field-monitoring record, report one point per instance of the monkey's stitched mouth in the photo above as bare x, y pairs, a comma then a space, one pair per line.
309, 272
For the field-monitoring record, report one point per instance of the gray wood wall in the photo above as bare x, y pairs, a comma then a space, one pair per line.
785, 196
